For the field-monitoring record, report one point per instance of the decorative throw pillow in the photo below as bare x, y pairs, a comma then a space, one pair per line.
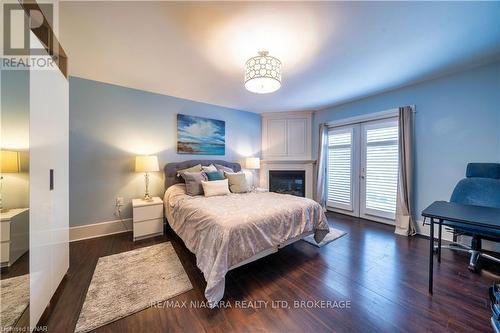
237, 182
196, 168
210, 168
215, 187
193, 182
217, 175
223, 168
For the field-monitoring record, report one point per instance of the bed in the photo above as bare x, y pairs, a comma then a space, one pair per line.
225, 232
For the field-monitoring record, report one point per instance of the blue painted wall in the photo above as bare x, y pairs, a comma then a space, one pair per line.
457, 121
110, 125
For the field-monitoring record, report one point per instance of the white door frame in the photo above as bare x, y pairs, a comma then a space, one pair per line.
358, 160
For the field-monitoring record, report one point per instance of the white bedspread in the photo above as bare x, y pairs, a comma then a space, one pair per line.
223, 231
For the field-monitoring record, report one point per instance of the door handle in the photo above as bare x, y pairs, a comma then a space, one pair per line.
51, 179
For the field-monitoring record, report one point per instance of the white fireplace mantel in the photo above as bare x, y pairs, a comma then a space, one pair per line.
305, 165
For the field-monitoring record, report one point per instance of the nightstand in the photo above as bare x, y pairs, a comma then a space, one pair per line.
147, 218
14, 235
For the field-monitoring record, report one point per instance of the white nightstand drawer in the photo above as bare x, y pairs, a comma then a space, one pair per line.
148, 227
5, 252
5, 231
148, 213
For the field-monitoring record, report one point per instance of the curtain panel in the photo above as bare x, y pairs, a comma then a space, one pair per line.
320, 196
404, 221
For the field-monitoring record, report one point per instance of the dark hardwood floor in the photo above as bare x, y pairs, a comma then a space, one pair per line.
20, 267
383, 276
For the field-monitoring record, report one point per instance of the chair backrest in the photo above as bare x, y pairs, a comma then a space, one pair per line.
481, 187
483, 170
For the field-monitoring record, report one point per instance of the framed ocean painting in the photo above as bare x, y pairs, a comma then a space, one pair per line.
200, 136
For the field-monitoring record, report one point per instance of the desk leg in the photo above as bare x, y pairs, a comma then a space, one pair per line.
431, 254
439, 240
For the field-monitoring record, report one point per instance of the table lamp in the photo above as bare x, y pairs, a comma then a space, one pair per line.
146, 164
252, 163
9, 162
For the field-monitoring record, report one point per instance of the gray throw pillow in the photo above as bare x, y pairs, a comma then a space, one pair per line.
193, 182
223, 168
237, 182
196, 168
210, 168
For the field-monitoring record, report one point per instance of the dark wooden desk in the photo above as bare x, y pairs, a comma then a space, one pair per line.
457, 216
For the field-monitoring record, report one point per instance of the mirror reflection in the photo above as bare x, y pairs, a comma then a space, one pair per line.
14, 200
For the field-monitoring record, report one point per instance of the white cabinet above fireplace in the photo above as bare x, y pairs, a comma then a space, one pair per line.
286, 136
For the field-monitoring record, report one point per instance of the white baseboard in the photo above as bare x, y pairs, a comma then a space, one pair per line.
486, 245
99, 229
424, 230
117, 226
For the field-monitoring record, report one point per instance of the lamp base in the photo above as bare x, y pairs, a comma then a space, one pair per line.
147, 197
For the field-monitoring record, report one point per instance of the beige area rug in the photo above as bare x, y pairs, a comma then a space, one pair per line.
128, 282
330, 237
14, 299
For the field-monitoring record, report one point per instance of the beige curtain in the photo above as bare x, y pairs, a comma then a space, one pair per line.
404, 221
321, 169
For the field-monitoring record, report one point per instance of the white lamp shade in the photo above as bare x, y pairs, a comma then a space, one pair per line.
262, 85
146, 164
252, 163
9, 161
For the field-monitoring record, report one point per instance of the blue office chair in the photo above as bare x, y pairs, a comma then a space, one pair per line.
481, 187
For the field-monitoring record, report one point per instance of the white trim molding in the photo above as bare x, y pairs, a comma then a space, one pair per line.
364, 118
367, 117
424, 231
94, 230
448, 236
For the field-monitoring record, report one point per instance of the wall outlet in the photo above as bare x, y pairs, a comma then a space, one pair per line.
119, 201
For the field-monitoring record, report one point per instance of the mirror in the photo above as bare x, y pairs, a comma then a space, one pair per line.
14, 200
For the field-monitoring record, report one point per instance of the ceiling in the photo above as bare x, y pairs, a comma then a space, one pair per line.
332, 52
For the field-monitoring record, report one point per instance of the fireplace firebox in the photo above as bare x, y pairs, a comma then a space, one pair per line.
288, 182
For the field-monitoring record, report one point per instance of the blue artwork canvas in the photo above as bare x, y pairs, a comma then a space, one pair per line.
200, 136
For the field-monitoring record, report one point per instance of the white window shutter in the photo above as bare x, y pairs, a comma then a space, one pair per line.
340, 150
382, 169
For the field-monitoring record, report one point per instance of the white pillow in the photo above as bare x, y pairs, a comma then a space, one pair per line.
215, 187
210, 168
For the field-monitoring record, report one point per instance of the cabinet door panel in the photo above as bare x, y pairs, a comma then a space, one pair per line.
296, 137
276, 137
49, 216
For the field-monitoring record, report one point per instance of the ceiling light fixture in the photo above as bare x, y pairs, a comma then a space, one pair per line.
263, 73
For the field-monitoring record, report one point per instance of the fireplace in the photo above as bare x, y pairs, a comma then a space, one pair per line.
288, 182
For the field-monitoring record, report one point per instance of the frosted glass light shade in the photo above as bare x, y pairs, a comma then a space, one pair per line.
146, 164
9, 161
252, 163
263, 74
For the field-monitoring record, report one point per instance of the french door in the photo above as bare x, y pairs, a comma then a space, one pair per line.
363, 169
